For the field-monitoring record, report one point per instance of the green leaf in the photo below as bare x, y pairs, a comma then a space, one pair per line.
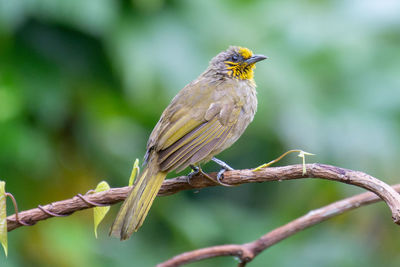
134, 173
100, 212
3, 217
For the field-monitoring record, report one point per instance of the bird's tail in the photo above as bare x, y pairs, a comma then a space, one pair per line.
136, 206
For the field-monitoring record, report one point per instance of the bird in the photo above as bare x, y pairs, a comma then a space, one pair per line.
207, 116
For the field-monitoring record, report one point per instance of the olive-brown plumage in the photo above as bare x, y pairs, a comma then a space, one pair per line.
204, 118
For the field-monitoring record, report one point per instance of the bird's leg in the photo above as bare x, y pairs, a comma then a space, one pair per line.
196, 170
222, 164
224, 167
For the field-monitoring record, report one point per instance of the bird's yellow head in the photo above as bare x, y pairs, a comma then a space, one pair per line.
238, 62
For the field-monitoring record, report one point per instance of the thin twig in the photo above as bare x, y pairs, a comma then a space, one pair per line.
248, 251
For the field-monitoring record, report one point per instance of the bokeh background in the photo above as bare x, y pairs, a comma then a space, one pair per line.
82, 83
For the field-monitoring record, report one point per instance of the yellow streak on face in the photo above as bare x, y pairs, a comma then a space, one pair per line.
242, 71
245, 52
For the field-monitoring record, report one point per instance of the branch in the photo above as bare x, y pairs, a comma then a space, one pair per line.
237, 177
248, 251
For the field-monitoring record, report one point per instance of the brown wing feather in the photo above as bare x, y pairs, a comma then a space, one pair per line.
207, 148
196, 133
189, 131
196, 149
184, 152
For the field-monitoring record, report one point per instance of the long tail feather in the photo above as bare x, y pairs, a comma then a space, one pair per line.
136, 206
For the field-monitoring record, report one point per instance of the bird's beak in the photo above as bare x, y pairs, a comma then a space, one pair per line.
255, 59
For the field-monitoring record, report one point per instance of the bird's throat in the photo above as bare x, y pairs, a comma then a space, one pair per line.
240, 71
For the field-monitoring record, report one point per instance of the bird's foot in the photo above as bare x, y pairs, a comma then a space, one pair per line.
196, 170
224, 167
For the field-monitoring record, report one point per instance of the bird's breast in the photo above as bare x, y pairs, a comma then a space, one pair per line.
246, 100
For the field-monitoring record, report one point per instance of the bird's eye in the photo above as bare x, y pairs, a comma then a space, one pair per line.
235, 58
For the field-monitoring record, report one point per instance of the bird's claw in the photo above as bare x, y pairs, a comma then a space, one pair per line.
220, 175
224, 167
196, 170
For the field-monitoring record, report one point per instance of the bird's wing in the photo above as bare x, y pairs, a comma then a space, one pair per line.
193, 126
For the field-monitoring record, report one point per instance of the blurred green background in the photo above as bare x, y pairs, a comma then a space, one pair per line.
82, 83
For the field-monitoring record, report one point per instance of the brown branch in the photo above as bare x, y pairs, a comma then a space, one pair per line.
237, 177
248, 251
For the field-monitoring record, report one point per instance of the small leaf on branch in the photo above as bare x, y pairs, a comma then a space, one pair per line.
3, 218
100, 212
135, 172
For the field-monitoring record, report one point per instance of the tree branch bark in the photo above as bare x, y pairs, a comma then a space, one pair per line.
236, 177
248, 251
